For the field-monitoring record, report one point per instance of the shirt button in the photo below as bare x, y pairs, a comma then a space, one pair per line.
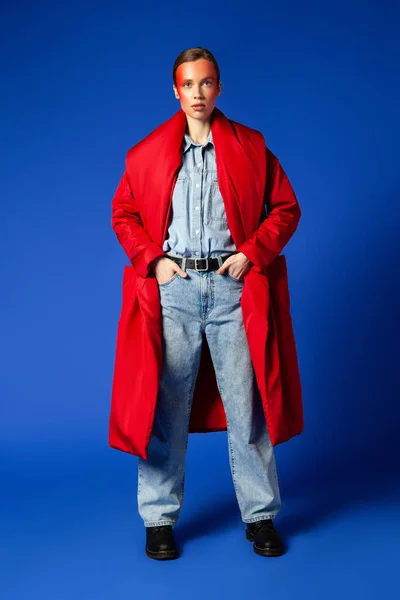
197, 185
199, 164
196, 253
197, 230
197, 207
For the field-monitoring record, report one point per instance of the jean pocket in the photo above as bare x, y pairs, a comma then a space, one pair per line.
169, 280
234, 278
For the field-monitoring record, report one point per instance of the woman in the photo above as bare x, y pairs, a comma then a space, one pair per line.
204, 340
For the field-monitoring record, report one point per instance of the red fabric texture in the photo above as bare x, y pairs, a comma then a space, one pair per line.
249, 177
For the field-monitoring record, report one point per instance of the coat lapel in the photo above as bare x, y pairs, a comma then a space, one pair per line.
240, 169
240, 155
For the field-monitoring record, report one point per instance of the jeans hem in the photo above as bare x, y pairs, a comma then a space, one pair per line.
158, 523
260, 518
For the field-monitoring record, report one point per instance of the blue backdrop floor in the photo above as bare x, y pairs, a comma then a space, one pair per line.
70, 530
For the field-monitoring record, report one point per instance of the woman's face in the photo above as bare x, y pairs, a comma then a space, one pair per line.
196, 83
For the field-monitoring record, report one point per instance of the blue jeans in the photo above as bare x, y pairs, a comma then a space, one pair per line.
205, 302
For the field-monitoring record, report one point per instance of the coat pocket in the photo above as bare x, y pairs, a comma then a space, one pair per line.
279, 283
129, 289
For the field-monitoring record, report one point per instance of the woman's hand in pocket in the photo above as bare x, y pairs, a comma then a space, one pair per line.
164, 269
237, 265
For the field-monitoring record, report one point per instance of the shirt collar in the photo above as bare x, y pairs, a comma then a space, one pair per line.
189, 142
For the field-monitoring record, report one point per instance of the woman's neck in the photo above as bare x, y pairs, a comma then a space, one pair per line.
198, 130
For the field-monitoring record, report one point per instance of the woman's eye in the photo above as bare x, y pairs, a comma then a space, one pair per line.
187, 83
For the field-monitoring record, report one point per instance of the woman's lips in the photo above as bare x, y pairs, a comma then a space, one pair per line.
198, 106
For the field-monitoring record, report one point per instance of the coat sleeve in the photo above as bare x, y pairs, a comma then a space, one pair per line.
131, 234
283, 215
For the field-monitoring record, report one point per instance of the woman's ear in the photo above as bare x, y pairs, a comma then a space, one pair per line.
175, 92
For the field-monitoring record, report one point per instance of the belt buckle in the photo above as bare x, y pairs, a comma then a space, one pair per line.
195, 264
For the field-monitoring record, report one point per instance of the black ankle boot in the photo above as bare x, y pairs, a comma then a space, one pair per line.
160, 542
267, 541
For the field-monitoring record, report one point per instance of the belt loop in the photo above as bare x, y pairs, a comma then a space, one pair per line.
219, 257
183, 266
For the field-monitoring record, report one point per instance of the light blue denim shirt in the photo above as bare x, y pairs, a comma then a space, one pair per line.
198, 226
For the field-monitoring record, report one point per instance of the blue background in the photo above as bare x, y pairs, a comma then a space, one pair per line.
81, 84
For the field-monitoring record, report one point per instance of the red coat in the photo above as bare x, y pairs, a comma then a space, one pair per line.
249, 176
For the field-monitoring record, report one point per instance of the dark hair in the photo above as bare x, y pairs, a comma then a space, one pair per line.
194, 54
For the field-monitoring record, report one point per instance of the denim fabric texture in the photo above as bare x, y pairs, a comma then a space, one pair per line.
198, 226
211, 310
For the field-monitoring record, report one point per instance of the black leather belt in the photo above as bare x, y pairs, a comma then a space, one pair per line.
200, 264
